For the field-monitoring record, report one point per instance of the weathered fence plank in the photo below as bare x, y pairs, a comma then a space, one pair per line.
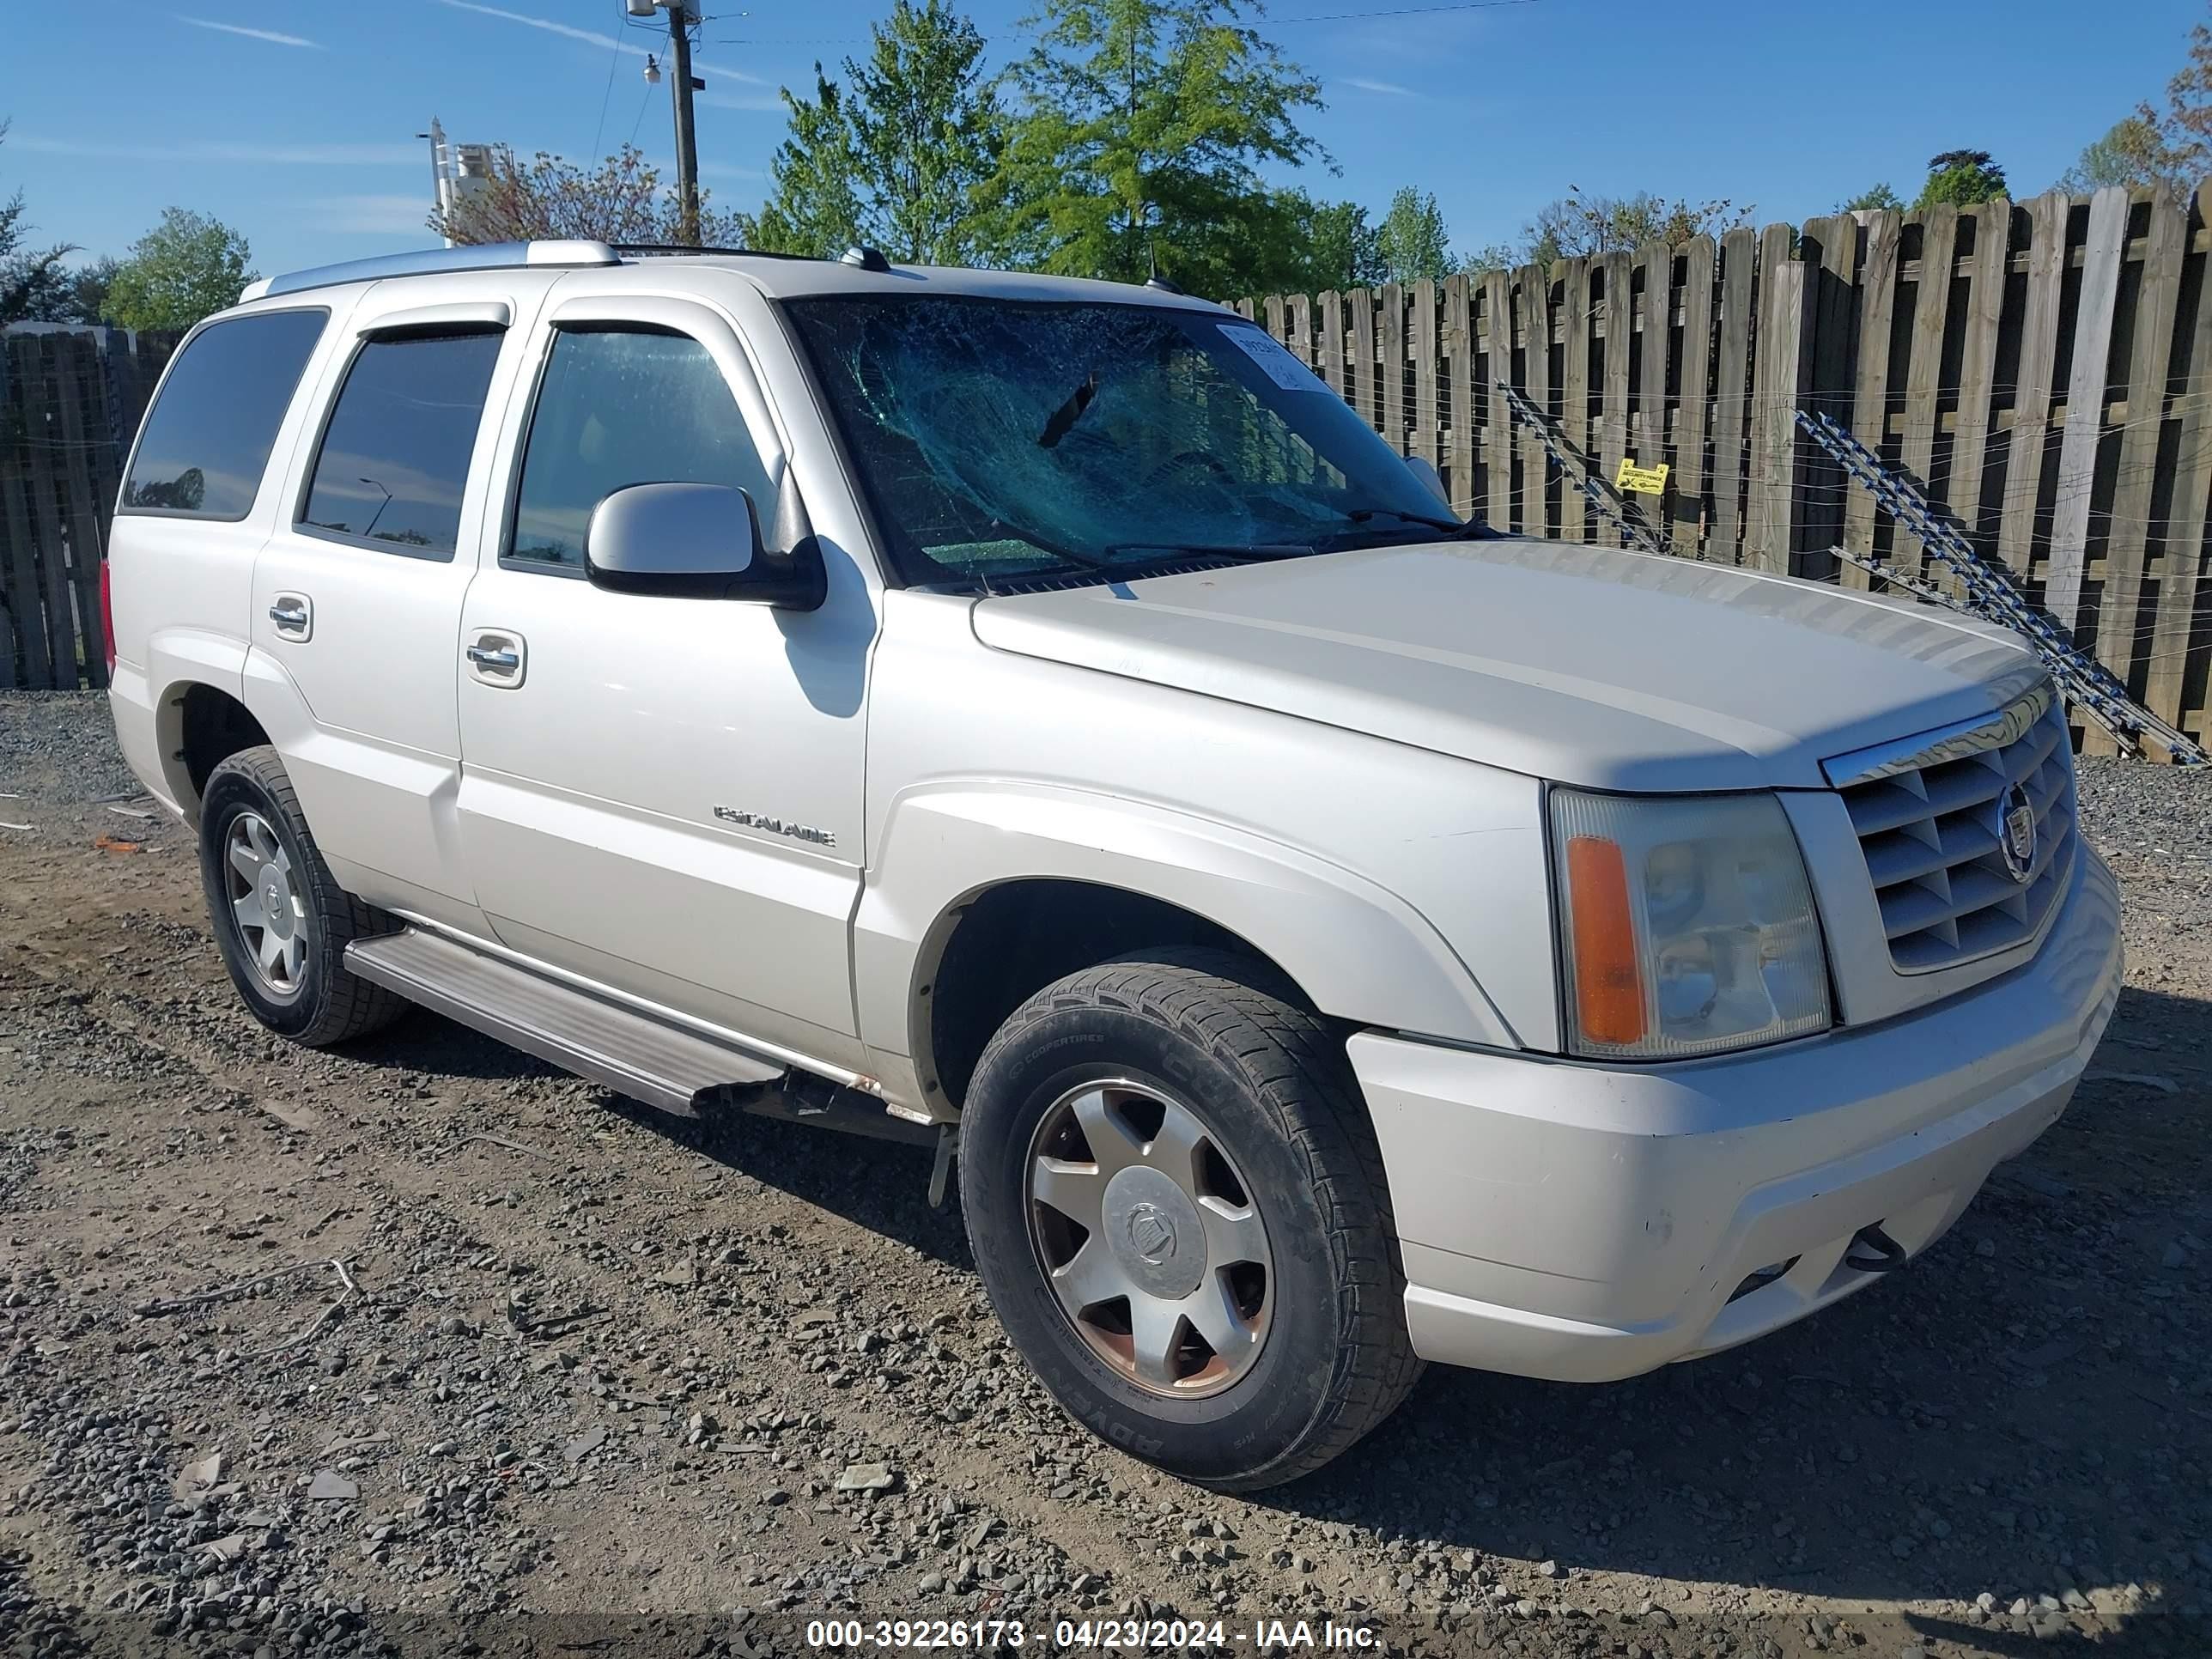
1923, 368
1619, 321
2182, 582
1496, 425
1575, 390
1781, 369
1731, 370
2085, 405
1532, 288
1985, 294
1692, 410
1423, 442
1878, 278
1466, 437
2039, 358
2127, 539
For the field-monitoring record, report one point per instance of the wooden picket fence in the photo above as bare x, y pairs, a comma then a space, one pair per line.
70, 399
2052, 391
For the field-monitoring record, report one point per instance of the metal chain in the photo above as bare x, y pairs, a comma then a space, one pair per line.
1992, 594
1577, 474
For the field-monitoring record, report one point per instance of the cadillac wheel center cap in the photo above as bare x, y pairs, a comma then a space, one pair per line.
1155, 1232
2016, 834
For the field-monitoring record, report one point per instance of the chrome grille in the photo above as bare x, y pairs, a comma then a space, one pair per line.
1930, 817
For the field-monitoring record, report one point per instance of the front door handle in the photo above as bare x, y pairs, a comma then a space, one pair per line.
294, 615
498, 658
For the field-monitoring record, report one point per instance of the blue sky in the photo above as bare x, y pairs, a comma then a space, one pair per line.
297, 124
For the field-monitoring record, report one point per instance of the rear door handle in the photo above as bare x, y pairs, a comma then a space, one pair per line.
498, 658
294, 615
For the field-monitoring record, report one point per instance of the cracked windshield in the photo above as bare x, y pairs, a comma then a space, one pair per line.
1001, 440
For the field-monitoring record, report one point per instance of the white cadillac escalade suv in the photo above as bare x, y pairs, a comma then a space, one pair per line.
1339, 936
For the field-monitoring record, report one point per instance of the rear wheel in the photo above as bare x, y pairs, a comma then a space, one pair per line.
1178, 1210
281, 920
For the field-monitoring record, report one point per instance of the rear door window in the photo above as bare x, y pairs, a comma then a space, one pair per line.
394, 458
205, 444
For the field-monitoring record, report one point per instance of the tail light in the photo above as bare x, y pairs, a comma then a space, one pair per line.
107, 616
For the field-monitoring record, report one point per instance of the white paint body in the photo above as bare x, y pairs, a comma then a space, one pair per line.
1340, 759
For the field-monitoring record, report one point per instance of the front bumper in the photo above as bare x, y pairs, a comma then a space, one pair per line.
1565, 1221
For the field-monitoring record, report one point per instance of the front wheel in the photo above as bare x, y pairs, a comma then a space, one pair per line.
1179, 1213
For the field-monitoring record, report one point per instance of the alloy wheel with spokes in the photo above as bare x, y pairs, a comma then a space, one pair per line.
265, 903
1150, 1237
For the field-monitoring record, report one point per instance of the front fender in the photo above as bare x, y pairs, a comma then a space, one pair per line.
1357, 950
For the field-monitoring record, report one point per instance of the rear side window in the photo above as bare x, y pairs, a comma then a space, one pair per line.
395, 454
620, 407
206, 442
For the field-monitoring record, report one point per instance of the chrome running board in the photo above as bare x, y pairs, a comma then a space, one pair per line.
646, 1058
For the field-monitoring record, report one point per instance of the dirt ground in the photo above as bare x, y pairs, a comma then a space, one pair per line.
531, 1369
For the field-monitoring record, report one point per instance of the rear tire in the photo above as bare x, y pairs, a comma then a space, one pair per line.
281, 920
1179, 1212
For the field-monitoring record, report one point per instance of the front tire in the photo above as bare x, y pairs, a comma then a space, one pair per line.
1179, 1213
281, 920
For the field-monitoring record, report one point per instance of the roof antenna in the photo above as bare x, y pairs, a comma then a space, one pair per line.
1157, 280
864, 258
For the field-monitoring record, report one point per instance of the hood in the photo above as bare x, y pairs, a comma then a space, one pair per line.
1609, 669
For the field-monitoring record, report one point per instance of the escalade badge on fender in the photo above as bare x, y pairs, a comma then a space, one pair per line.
775, 826
2016, 834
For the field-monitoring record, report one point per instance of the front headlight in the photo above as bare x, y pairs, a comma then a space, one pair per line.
1686, 925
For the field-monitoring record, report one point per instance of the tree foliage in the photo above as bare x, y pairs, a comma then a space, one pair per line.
1877, 198
1961, 177
33, 283
2169, 150
1411, 242
1139, 130
898, 157
2131, 152
1576, 226
620, 200
1338, 248
178, 272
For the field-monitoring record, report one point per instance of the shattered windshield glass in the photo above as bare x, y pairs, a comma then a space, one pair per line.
1000, 438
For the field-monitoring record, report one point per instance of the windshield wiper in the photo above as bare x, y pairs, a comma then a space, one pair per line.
1242, 552
1451, 527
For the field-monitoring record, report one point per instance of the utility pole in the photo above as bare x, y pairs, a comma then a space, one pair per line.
680, 87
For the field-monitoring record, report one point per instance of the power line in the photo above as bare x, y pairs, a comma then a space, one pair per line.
1405, 11
614, 61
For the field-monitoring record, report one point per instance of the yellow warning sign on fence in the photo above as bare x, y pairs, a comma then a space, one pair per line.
1643, 480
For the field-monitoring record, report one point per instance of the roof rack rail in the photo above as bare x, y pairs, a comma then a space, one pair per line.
674, 250
481, 256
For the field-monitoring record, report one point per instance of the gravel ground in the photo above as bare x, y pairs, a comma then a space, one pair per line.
506, 1365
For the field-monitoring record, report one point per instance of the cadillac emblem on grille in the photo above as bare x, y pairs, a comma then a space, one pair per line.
2016, 834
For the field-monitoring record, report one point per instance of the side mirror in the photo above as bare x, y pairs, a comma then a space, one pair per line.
1425, 471
696, 541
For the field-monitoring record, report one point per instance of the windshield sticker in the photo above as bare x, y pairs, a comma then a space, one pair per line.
1263, 349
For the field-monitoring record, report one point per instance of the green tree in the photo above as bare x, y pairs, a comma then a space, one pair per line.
184, 268
1412, 241
33, 283
1879, 197
897, 159
1961, 177
2132, 152
812, 207
1140, 129
1498, 256
1338, 248
620, 200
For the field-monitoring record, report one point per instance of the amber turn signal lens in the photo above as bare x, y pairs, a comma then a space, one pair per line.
1608, 983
